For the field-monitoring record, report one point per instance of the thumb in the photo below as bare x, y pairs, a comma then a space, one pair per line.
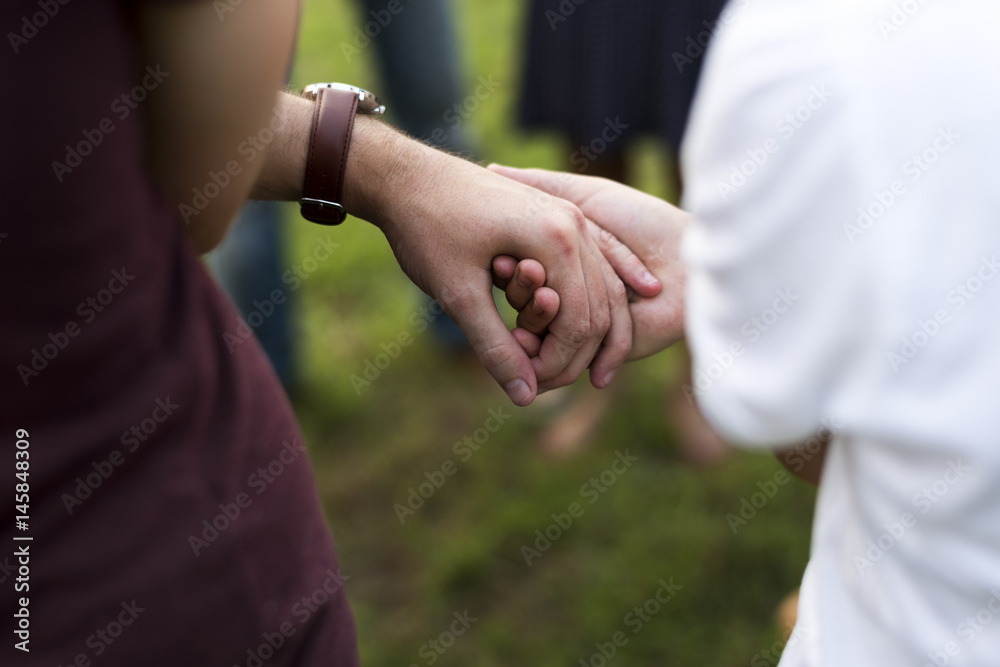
573, 187
476, 314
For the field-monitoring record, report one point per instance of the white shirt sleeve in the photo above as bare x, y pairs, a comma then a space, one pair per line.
768, 305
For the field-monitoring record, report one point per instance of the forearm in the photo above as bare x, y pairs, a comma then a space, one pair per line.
806, 459
390, 176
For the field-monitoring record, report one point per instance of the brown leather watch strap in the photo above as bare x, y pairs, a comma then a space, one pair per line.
329, 141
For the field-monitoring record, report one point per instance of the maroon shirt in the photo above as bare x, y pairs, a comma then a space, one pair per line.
173, 511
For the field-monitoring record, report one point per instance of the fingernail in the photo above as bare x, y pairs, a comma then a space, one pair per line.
649, 278
609, 377
537, 307
518, 391
523, 280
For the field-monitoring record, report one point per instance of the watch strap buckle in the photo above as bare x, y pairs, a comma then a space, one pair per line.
321, 211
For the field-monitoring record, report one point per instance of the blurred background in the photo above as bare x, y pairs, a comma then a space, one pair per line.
427, 527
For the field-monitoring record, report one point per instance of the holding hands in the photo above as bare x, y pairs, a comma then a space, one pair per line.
456, 228
446, 219
637, 233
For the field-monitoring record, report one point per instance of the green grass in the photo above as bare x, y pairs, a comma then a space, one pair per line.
462, 549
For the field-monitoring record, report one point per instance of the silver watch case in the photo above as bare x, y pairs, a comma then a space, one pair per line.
368, 104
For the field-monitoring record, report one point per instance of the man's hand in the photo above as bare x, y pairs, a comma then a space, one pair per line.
649, 227
446, 219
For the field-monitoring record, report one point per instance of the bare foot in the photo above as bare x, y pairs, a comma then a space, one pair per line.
788, 612
574, 428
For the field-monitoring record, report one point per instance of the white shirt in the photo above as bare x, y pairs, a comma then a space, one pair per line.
843, 162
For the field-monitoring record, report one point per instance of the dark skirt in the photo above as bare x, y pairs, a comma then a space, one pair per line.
632, 63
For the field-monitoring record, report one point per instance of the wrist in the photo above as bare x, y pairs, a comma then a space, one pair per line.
385, 171
285, 159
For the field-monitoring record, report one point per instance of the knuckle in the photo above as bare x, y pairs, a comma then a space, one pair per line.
567, 225
563, 238
576, 216
576, 334
602, 323
617, 291
459, 301
495, 356
619, 345
569, 213
607, 240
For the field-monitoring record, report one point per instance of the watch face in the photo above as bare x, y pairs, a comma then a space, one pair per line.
367, 102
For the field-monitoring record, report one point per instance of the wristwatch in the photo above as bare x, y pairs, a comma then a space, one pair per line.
329, 141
